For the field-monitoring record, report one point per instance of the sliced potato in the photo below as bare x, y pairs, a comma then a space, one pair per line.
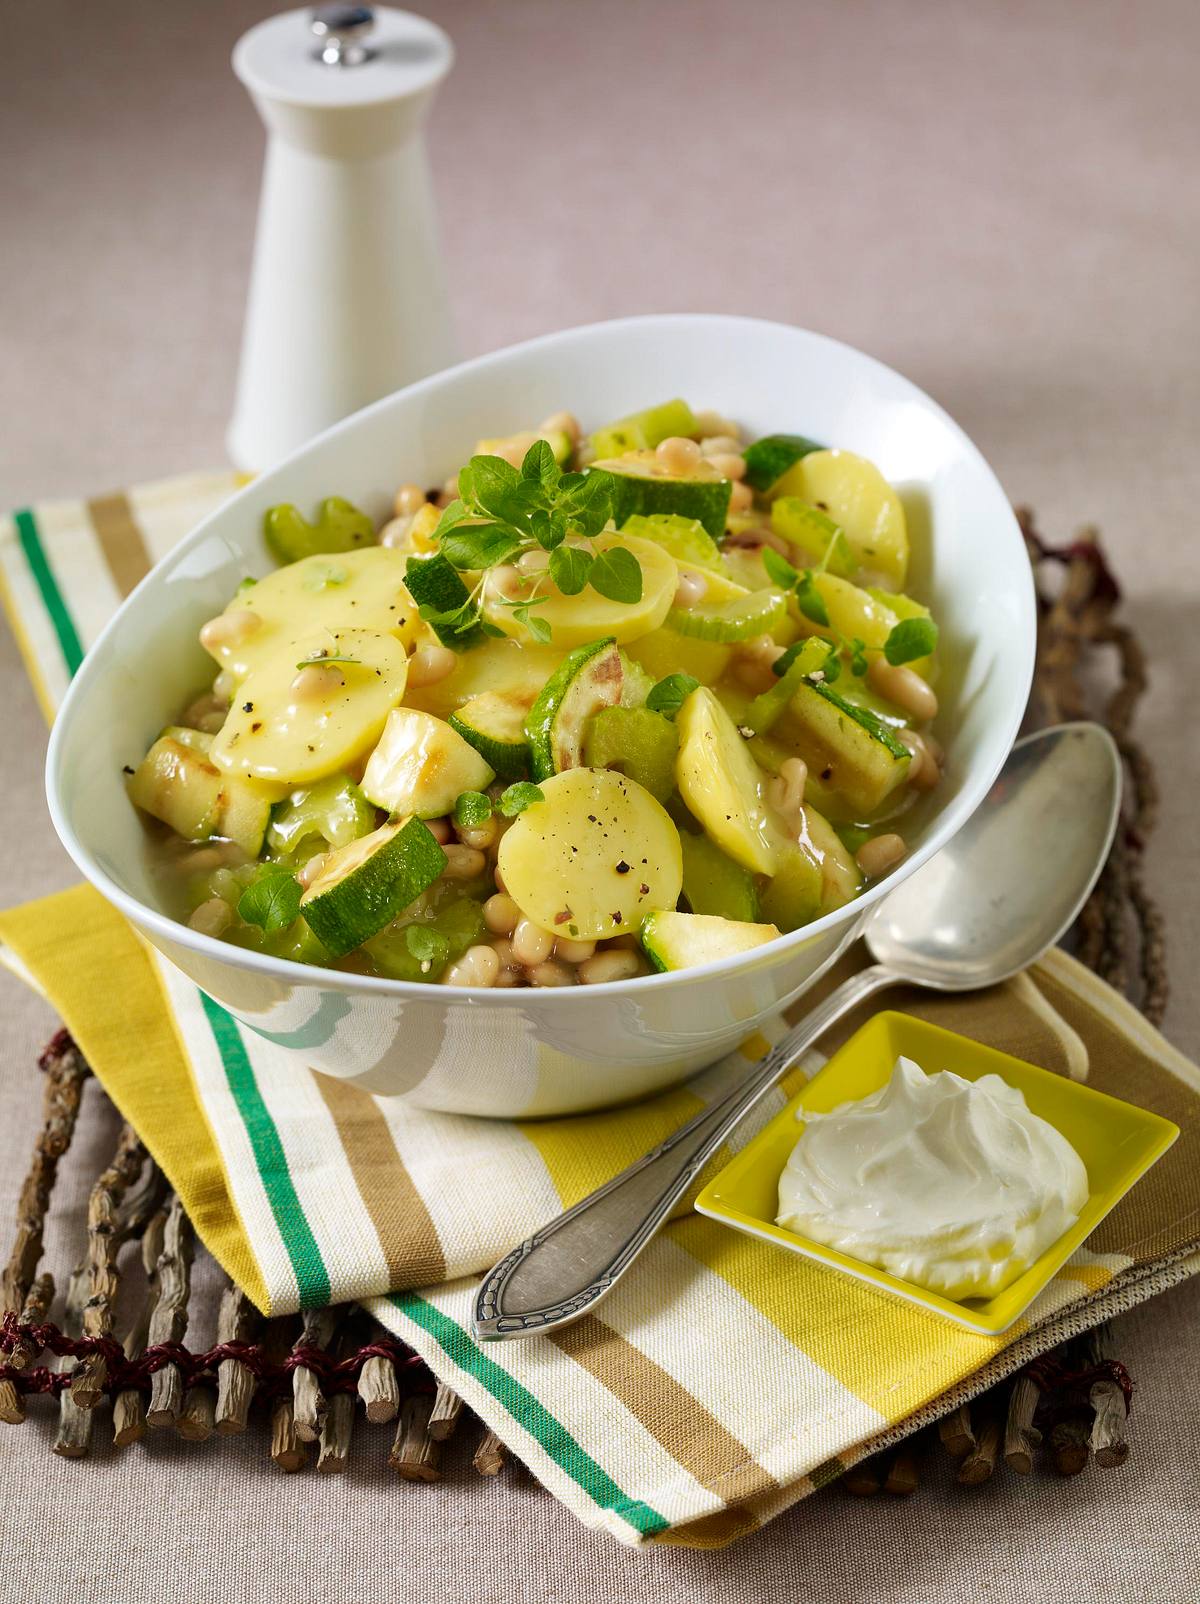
510, 668
574, 620
854, 493
593, 858
722, 785
361, 589
663, 652
274, 732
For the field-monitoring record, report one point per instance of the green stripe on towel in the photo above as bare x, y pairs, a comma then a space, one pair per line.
521, 1404
311, 1275
52, 597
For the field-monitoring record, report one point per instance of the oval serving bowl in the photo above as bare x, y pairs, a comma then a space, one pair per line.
529, 1052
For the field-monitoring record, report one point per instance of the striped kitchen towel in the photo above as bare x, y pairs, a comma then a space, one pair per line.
722, 1380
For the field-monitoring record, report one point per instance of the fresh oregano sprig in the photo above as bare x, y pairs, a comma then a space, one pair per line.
910, 639
502, 512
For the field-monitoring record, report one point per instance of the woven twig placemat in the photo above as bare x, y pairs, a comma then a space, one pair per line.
305, 1377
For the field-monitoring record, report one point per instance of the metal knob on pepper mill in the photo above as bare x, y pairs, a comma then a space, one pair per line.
347, 298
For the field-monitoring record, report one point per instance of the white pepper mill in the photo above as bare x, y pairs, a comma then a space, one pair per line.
347, 300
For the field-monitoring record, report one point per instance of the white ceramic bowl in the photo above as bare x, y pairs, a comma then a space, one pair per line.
534, 1052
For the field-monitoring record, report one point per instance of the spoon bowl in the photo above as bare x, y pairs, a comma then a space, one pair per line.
990, 903
1013, 879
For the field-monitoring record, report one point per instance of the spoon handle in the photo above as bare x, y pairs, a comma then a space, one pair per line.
563, 1270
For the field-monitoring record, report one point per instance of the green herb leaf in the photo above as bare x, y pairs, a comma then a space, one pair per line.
518, 797
810, 601
669, 695
481, 545
471, 809
858, 657
319, 660
617, 575
492, 482
540, 465
271, 900
779, 571
428, 946
569, 568
586, 500
452, 515
538, 628
910, 639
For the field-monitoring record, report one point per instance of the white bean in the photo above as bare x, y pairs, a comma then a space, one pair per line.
531, 944
573, 952
729, 464
609, 966
923, 771
480, 836
712, 424
429, 664
312, 869
678, 454
550, 973
230, 629
478, 966
718, 445
440, 829
211, 917
410, 498
501, 914
741, 498
395, 533
317, 680
881, 853
692, 588
903, 686
535, 561
463, 863
562, 422
786, 791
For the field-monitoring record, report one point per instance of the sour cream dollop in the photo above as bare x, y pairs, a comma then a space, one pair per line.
950, 1183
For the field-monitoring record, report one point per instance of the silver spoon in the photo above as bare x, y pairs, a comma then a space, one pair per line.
991, 901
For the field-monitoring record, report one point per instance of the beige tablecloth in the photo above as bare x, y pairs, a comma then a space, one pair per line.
1001, 201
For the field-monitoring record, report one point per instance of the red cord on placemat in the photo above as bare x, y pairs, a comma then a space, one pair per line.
123, 1375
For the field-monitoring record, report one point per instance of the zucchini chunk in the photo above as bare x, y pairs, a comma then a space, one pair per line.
593, 857
494, 724
715, 884
179, 785
588, 679
421, 765
334, 809
643, 486
576, 620
642, 431
275, 731
851, 750
768, 459
722, 785
363, 886
637, 742
684, 940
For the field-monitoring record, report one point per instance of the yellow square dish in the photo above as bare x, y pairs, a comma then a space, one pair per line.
1116, 1141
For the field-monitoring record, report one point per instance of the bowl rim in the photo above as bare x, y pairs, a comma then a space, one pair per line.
288, 970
